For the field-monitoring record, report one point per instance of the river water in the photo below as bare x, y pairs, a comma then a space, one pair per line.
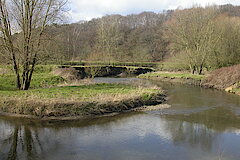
201, 124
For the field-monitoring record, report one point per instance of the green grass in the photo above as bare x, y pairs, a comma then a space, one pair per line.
40, 80
47, 98
44, 85
42, 77
46, 80
171, 75
85, 92
7, 82
172, 66
44, 68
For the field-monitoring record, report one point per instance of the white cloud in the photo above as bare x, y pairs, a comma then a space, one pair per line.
88, 9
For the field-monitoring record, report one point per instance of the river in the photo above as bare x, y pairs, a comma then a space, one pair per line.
201, 124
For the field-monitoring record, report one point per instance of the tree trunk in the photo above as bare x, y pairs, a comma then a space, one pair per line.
18, 81
200, 69
192, 69
26, 84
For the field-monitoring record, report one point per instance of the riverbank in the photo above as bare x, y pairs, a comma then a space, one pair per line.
226, 78
73, 102
78, 101
176, 77
230, 82
54, 97
103, 71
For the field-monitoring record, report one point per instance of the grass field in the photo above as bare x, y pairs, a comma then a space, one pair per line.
50, 95
39, 80
93, 92
47, 86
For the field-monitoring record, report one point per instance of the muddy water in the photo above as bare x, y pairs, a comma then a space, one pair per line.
202, 124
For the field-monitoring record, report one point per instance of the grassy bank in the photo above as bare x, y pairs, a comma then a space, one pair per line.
172, 75
49, 96
227, 78
77, 93
71, 101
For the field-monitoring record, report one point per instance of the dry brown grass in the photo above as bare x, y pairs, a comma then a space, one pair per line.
77, 82
104, 98
69, 74
72, 77
79, 100
99, 105
223, 77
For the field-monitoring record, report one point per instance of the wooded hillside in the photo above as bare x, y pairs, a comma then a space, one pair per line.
196, 37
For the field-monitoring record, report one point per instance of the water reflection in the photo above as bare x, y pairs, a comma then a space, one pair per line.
20, 141
219, 119
128, 136
201, 124
194, 135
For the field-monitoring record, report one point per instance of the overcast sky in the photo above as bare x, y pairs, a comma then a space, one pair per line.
88, 9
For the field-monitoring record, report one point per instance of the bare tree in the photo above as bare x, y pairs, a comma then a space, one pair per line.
108, 36
226, 52
22, 25
191, 32
73, 34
